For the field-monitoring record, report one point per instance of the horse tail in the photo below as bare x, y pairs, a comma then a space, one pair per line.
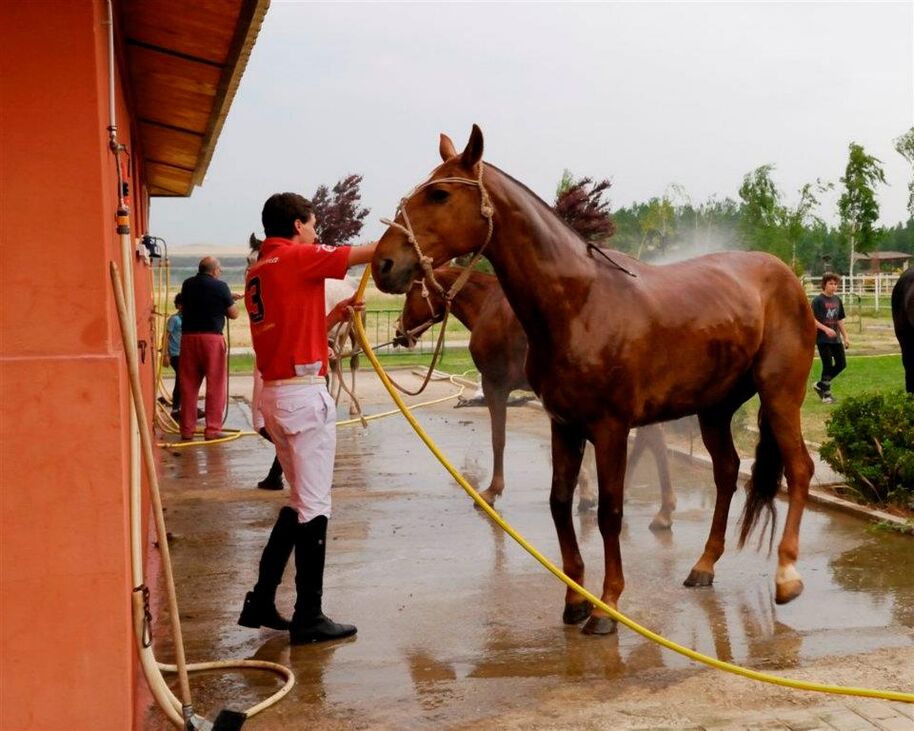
763, 486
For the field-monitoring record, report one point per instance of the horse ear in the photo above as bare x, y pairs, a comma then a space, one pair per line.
254, 243
446, 148
472, 154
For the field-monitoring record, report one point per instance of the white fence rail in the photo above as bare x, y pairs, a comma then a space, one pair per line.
869, 290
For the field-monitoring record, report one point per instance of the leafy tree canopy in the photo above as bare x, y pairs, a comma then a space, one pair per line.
904, 145
858, 206
338, 211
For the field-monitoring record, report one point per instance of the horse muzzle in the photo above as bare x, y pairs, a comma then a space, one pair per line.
393, 276
405, 340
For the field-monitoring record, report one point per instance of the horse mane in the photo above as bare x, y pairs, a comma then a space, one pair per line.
539, 201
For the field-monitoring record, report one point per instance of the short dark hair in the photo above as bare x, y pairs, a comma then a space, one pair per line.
830, 277
282, 210
179, 300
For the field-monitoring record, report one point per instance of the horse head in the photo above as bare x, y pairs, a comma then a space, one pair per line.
422, 309
254, 253
447, 215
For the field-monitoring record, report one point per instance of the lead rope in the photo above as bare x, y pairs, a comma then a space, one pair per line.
439, 349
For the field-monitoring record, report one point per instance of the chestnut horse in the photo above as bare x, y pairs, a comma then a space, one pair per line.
615, 343
498, 347
903, 319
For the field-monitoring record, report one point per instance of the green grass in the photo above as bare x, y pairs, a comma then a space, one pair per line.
875, 374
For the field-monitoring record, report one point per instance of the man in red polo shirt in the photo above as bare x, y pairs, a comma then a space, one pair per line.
284, 297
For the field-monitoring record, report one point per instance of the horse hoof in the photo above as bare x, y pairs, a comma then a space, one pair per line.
661, 523
788, 591
699, 578
586, 506
488, 497
598, 625
575, 613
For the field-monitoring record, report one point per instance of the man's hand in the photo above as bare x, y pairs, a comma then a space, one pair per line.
236, 296
340, 313
831, 333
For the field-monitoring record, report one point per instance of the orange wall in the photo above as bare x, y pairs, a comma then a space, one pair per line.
67, 658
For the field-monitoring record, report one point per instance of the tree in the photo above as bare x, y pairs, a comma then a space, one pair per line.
580, 204
857, 205
904, 145
797, 221
339, 215
657, 224
762, 213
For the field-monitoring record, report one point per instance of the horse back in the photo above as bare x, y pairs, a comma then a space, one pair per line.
676, 338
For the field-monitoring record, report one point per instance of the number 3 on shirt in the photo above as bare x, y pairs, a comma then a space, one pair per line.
257, 312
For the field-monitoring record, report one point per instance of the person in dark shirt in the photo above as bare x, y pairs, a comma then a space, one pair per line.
831, 336
207, 301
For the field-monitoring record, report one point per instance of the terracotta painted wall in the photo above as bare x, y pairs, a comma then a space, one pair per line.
66, 645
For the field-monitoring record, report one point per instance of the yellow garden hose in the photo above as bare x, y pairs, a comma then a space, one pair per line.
613, 613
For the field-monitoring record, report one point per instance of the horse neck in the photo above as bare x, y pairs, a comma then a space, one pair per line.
469, 299
534, 254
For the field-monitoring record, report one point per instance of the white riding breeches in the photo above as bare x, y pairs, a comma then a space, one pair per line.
301, 420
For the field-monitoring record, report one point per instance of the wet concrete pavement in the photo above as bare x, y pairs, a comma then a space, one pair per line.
460, 628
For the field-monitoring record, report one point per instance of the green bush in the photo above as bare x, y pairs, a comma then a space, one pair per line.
871, 442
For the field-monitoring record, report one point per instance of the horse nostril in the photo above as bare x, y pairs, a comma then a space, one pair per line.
386, 266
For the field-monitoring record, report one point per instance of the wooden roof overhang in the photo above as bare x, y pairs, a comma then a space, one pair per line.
184, 61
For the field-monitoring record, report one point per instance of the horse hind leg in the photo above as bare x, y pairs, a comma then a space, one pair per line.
587, 491
779, 423
663, 520
651, 437
718, 439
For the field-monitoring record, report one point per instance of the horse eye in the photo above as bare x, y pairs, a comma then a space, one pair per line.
437, 195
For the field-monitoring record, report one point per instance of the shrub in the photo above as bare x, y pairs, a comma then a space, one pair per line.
871, 442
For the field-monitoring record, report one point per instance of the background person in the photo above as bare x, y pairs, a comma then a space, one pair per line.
284, 297
831, 335
173, 355
207, 301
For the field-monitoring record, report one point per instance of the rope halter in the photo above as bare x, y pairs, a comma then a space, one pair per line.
486, 210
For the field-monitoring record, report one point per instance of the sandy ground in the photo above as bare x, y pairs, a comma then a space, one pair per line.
460, 628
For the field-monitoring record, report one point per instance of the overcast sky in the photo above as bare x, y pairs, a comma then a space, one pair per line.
646, 94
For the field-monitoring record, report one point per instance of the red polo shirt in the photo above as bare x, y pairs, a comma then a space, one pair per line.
284, 297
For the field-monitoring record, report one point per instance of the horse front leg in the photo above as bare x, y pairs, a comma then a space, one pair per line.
567, 452
610, 446
718, 439
497, 402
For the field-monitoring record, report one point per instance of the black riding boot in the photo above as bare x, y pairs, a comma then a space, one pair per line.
260, 605
308, 623
273, 481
